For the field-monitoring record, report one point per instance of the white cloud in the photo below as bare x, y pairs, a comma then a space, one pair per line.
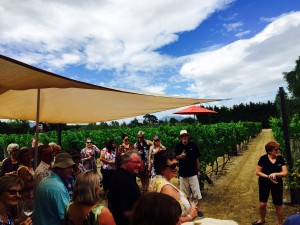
233, 26
105, 34
241, 34
272, 19
248, 65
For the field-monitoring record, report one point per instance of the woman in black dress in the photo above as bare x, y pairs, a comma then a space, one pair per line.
271, 168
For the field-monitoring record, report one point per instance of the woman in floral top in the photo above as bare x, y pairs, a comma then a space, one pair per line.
166, 168
124, 147
88, 155
108, 163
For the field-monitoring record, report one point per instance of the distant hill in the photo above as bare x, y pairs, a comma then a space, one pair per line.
167, 118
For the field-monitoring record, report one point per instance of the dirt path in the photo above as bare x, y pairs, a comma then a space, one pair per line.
234, 193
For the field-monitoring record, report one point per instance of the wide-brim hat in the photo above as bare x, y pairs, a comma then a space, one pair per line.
63, 160
183, 133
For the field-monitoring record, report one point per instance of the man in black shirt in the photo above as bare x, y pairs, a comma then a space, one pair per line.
123, 190
187, 153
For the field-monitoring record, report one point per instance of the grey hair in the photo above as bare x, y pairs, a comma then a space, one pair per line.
11, 147
127, 156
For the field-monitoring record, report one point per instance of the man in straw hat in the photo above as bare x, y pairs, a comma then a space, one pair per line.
187, 153
51, 196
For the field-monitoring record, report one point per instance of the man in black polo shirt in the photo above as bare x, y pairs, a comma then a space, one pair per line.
123, 190
187, 153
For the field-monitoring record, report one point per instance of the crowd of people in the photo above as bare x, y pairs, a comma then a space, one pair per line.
65, 186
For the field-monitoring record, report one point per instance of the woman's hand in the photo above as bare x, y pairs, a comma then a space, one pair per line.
272, 177
193, 211
28, 221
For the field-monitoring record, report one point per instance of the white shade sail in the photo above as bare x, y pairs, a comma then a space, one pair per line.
63, 100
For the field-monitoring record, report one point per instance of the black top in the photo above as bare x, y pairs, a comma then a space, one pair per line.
188, 165
123, 192
9, 166
269, 167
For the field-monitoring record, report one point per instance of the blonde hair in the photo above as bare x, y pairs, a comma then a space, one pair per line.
87, 188
141, 133
11, 147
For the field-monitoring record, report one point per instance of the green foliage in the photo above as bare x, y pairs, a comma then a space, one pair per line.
295, 126
150, 119
276, 125
293, 180
213, 140
293, 80
294, 130
15, 127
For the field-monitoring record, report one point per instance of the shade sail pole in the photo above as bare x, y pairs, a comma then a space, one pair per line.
37, 121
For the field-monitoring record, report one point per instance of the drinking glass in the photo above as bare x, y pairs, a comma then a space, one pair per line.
28, 207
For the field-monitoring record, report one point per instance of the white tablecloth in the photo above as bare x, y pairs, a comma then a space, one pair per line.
212, 221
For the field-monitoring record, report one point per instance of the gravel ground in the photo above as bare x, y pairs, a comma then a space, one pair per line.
234, 192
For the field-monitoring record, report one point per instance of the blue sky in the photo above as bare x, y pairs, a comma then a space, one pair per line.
197, 48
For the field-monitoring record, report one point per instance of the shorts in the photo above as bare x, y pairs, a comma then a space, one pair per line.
190, 187
265, 186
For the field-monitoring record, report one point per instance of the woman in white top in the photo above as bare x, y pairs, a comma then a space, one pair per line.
108, 163
166, 167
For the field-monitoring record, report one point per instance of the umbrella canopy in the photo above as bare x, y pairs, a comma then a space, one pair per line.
195, 110
27, 93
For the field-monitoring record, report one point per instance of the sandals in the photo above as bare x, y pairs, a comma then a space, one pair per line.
258, 223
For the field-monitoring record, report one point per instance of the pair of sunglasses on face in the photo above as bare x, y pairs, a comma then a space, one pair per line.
173, 166
14, 192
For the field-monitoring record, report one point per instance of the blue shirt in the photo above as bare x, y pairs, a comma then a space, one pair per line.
50, 201
293, 220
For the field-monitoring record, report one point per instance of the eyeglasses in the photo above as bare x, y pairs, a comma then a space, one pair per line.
14, 191
173, 166
136, 162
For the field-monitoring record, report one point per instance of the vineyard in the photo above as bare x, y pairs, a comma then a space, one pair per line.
293, 128
213, 140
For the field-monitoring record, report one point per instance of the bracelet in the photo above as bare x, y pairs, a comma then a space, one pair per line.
190, 217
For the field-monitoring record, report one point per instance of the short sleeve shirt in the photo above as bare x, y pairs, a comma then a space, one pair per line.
188, 165
269, 167
50, 200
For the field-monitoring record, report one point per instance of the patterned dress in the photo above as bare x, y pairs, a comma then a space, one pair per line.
121, 150
154, 151
158, 182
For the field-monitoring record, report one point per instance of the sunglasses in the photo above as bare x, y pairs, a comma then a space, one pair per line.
88, 142
276, 149
126, 139
173, 166
135, 162
14, 192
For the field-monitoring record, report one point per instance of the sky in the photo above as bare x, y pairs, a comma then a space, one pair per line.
223, 49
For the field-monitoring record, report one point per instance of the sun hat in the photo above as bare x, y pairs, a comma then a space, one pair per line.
63, 160
183, 133
155, 138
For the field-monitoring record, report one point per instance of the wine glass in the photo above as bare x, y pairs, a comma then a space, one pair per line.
28, 207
